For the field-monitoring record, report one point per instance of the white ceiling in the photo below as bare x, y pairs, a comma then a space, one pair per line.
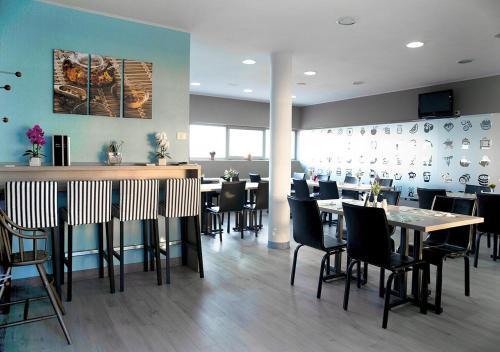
224, 32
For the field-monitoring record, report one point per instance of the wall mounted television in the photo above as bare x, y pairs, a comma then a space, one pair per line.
435, 104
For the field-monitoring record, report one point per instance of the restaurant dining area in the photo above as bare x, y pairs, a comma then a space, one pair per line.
249, 176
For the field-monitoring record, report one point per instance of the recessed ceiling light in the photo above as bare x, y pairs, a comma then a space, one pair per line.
465, 61
247, 90
310, 73
294, 96
346, 21
497, 35
249, 62
195, 84
301, 83
414, 45
357, 83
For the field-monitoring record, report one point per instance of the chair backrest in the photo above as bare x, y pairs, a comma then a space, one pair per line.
301, 189
299, 176
89, 202
350, 180
182, 197
426, 196
385, 182
138, 199
440, 203
350, 194
474, 189
262, 196
232, 196
328, 190
392, 197
323, 177
368, 237
306, 221
32, 203
487, 208
254, 177
235, 178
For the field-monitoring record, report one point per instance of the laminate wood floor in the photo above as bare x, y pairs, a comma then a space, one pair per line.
246, 303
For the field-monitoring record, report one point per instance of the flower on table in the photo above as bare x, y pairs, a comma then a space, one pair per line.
36, 136
163, 145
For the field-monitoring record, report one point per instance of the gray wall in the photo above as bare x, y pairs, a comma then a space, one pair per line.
213, 110
215, 168
472, 97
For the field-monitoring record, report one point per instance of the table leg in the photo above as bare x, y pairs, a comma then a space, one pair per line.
400, 284
416, 276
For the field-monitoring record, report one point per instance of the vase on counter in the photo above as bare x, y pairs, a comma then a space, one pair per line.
162, 161
35, 161
114, 158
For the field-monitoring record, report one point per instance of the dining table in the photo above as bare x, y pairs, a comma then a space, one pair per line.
408, 219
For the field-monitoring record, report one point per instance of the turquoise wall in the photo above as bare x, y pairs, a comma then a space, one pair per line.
29, 31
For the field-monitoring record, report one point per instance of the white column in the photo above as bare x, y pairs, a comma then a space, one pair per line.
279, 162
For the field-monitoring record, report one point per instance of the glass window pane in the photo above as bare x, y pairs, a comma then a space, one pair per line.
243, 142
204, 139
268, 145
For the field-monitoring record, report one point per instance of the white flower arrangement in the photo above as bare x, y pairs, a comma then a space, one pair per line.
163, 145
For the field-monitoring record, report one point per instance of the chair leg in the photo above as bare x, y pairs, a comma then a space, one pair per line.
489, 240
69, 261
109, 253
167, 251
330, 219
145, 241
56, 268
156, 246
101, 249
387, 301
358, 278
294, 264
476, 254
220, 226
61, 250
260, 219
321, 274
382, 283
365, 273
242, 222
424, 293
467, 275
348, 283
495, 246
228, 222
53, 300
198, 245
122, 260
151, 254
439, 287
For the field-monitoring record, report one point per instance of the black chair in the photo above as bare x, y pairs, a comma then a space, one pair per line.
232, 199
323, 177
328, 190
301, 189
385, 182
235, 178
474, 189
426, 196
457, 242
261, 203
254, 177
348, 194
369, 241
308, 231
299, 176
487, 208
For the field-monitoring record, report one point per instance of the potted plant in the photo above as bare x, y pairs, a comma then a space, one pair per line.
492, 187
212, 155
162, 149
229, 174
114, 153
37, 140
375, 190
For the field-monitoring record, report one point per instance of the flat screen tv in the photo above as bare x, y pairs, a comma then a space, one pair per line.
435, 104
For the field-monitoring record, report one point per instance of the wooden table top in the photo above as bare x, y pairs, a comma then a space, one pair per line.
407, 217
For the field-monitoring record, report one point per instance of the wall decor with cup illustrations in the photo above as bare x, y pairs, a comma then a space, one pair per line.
439, 153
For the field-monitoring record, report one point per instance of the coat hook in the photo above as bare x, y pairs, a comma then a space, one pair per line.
17, 73
5, 119
6, 87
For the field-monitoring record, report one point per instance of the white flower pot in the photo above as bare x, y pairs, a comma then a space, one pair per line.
36, 161
162, 161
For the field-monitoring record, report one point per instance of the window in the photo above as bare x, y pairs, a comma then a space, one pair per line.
268, 145
204, 139
246, 141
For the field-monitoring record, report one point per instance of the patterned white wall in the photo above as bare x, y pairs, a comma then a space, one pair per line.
445, 153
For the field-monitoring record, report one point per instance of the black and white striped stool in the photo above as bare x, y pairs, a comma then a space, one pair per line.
88, 202
139, 201
33, 204
182, 200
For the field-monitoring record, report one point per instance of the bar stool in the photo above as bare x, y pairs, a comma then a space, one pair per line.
138, 201
182, 200
33, 204
89, 202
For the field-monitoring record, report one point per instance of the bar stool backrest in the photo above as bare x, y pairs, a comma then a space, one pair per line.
138, 199
487, 208
32, 203
368, 234
254, 177
89, 202
426, 196
262, 196
232, 196
182, 197
328, 190
301, 189
306, 221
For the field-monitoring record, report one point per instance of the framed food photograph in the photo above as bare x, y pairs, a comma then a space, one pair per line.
105, 86
70, 82
137, 89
